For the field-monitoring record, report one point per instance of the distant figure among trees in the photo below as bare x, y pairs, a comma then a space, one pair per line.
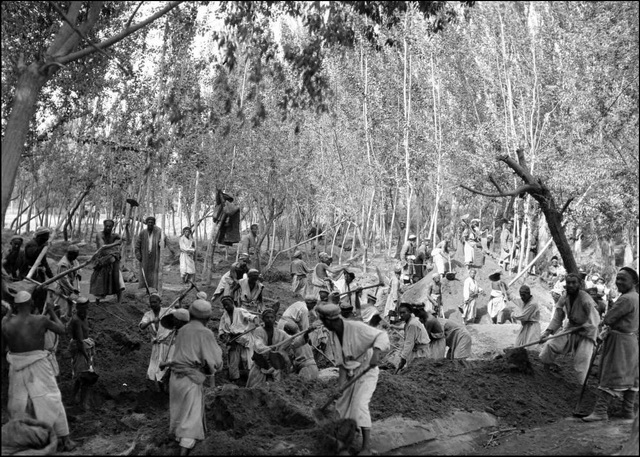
148, 253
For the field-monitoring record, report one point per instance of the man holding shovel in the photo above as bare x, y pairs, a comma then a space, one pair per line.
618, 375
233, 331
160, 338
583, 320
355, 348
82, 349
33, 389
68, 285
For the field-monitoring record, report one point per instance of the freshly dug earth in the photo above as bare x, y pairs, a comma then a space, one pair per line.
277, 420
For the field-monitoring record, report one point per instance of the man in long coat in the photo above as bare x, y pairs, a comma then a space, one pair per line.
106, 278
148, 253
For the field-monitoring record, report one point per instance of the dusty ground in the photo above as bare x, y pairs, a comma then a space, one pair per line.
129, 416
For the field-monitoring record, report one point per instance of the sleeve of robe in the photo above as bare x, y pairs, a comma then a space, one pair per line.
186, 244
211, 352
65, 284
410, 337
620, 308
466, 291
558, 315
138, 248
304, 320
530, 312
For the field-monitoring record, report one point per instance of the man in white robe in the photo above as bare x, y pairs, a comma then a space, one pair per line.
187, 250
234, 323
196, 357
355, 348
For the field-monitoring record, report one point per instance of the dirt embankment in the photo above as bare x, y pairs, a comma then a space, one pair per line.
277, 419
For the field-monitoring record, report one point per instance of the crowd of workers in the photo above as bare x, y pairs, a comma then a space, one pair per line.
333, 318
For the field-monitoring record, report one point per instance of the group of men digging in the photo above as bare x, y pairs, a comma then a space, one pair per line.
350, 340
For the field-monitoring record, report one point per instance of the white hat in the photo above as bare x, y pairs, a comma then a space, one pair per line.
200, 309
22, 297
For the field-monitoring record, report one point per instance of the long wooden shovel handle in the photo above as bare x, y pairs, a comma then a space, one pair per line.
32, 271
291, 338
345, 387
243, 333
82, 265
549, 338
359, 289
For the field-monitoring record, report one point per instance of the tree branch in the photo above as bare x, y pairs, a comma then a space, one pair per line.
65, 32
120, 36
526, 188
519, 170
132, 15
493, 181
84, 37
566, 205
521, 158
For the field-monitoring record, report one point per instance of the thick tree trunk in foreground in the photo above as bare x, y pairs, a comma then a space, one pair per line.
539, 191
27, 91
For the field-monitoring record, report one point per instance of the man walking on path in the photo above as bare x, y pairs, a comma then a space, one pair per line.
579, 309
196, 357
33, 389
618, 375
106, 278
148, 252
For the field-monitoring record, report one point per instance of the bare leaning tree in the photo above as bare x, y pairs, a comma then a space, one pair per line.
535, 187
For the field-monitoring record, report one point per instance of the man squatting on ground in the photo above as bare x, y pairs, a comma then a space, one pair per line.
196, 357
32, 382
353, 341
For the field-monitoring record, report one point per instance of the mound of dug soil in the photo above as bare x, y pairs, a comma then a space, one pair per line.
430, 389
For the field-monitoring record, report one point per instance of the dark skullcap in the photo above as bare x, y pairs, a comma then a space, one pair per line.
330, 312
146, 220
268, 311
632, 272
108, 221
227, 298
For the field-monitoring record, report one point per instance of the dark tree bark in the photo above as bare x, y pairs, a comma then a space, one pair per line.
541, 193
34, 76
